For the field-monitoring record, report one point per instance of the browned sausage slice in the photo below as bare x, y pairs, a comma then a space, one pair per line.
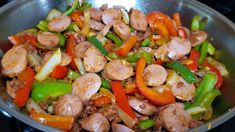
96, 123
197, 37
110, 16
81, 48
155, 75
178, 47
59, 23
95, 13
94, 61
14, 61
138, 20
175, 119
69, 105
96, 25
86, 85
118, 70
122, 30
48, 39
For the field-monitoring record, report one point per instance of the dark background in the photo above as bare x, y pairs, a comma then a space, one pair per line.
226, 7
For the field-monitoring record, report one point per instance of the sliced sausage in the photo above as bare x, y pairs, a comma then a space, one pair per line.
14, 61
121, 128
183, 90
178, 47
111, 16
65, 58
197, 37
155, 75
81, 48
141, 106
12, 87
96, 123
95, 13
122, 30
59, 23
118, 70
175, 119
138, 20
94, 61
68, 105
96, 25
48, 39
86, 85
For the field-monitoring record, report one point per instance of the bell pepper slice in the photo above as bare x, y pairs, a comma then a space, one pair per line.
121, 99
105, 84
73, 8
194, 55
161, 28
176, 18
41, 91
22, 95
101, 101
77, 19
70, 46
127, 46
164, 19
60, 122
153, 96
43, 25
93, 40
72, 75
59, 72
114, 38
131, 88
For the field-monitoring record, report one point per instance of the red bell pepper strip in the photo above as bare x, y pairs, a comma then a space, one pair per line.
220, 78
163, 18
176, 18
76, 18
29, 38
70, 46
153, 96
159, 62
194, 56
22, 95
121, 99
161, 28
60, 122
127, 45
59, 72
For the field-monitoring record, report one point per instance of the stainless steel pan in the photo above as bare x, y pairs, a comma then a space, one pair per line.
22, 14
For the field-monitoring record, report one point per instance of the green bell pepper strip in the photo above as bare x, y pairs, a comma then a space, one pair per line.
93, 40
62, 39
135, 57
206, 85
41, 91
183, 71
71, 27
84, 6
73, 8
197, 47
112, 55
106, 84
72, 75
114, 38
145, 43
196, 23
203, 51
42, 25
203, 23
146, 124
132, 29
210, 49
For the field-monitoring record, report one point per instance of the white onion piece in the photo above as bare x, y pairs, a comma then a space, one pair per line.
80, 65
196, 110
125, 16
31, 105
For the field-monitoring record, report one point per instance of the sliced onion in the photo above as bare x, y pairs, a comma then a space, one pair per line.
125, 16
48, 67
196, 110
80, 65
172, 77
126, 118
86, 28
31, 105
34, 59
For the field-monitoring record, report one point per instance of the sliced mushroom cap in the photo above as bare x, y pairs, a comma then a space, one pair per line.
14, 61
96, 123
155, 75
59, 23
118, 70
111, 16
138, 20
86, 85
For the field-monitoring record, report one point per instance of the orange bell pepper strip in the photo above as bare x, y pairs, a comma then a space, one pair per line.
101, 101
59, 72
194, 56
70, 46
164, 19
60, 122
161, 28
77, 19
153, 96
131, 88
28, 38
121, 99
22, 95
176, 18
220, 78
127, 46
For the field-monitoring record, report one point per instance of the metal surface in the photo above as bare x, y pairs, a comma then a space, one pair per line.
22, 14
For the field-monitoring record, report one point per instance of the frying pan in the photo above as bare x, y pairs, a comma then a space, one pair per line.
21, 14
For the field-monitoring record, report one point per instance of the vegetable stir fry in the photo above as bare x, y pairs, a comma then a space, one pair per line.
109, 69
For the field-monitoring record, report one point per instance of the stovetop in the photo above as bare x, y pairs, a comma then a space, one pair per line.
226, 7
